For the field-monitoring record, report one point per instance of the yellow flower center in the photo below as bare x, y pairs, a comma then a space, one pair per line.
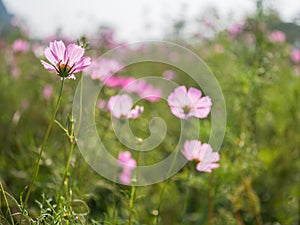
64, 70
64, 67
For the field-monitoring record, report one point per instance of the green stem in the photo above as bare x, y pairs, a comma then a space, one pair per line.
133, 187
6, 202
187, 193
164, 187
160, 201
114, 202
62, 127
65, 180
131, 204
211, 201
47, 134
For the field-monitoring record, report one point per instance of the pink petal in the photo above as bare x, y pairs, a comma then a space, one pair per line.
203, 107
112, 82
125, 178
203, 167
49, 55
48, 66
191, 148
58, 48
178, 112
214, 157
151, 94
124, 156
126, 161
194, 94
136, 112
111, 106
120, 105
178, 97
136, 86
214, 165
74, 53
82, 64
205, 150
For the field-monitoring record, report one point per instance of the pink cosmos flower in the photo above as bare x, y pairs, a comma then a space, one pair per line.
128, 164
150, 93
47, 91
185, 104
203, 154
236, 29
295, 56
120, 106
103, 68
119, 81
277, 36
143, 89
169, 74
65, 61
20, 45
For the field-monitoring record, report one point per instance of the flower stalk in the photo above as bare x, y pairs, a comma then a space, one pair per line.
133, 187
65, 180
46, 137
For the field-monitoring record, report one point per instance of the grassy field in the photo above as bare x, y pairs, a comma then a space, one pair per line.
258, 178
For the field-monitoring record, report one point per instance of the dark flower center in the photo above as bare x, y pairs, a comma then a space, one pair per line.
186, 109
64, 70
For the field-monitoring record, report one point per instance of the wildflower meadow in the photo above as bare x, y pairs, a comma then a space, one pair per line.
185, 130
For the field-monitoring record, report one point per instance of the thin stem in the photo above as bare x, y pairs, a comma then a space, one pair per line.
62, 127
114, 202
131, 204
65, 181
160, 201
164, 187
211, 201
7, 205
47, 134
187, 192
133, 187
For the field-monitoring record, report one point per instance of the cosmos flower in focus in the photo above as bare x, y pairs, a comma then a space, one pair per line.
120, 106
185, 104
128, 164
201, 153
65, 61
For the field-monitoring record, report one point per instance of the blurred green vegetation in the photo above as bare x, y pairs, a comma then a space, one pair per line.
259, 176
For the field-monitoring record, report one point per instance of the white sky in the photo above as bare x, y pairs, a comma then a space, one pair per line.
132, 19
